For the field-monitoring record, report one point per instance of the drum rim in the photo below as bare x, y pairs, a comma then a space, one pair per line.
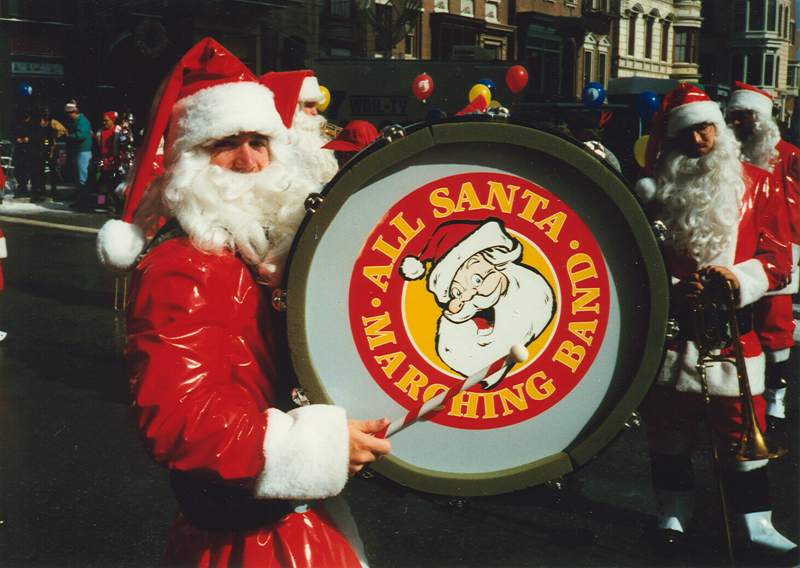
420, 138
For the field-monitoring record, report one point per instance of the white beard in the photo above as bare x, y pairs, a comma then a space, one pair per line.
253, 214
760, 149
701, 198
520, 315
308, 139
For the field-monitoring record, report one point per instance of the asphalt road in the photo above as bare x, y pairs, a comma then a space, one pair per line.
78, 490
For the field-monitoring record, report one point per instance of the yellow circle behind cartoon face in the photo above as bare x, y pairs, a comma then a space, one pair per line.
421, 312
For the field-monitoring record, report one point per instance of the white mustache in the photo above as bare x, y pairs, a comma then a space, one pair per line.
475, 304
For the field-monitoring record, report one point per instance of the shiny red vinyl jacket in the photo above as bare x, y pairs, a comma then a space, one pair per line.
774, 320
203, 375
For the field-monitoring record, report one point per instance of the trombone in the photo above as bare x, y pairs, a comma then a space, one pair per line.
716, 329
332, 130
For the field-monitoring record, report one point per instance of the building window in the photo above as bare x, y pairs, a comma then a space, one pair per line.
602, 65
341, 8
632, 34
686, 45
468, 8
737, 67
412, 38
587, 67
648, 38
756, 22
769, 70
543, 54
492, 10
772, 9
441, 6
740, 16
455, 36
755, 69
665, 41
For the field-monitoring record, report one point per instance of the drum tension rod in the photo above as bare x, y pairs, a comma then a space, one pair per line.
279, 299
312, 202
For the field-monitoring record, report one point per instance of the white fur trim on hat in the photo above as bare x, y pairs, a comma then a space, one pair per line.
646, 189
310, 91
119, 244
743, 99
489, 235
307, 451
693, 113
220, 111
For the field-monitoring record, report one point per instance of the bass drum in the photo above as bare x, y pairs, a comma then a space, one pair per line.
430, 256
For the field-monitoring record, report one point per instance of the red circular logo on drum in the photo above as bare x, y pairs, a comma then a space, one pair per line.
458, 272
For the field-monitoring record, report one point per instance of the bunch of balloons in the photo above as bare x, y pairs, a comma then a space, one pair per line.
647, 105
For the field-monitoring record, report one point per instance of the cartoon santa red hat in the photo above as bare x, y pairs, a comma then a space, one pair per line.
684, 106
452, 244
209, 95
291, 88
747, 97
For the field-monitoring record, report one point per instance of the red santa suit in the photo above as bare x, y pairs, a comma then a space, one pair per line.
205, 384
206, 381
774, 320
759, 256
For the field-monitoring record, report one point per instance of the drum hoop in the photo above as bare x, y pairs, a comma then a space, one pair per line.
516, 132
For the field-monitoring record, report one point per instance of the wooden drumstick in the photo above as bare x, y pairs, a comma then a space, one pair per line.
518, 354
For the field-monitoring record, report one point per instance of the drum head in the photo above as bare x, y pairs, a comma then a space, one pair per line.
431, 256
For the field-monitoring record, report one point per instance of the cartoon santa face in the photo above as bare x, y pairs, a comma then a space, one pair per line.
490, 300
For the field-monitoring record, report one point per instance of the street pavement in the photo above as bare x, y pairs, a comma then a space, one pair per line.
78, 490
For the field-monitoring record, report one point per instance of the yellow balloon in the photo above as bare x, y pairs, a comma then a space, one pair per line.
324, 104
495, 104
480, 90
640, 148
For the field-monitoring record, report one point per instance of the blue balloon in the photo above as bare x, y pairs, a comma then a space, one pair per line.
647, 104
593, 95
434, 114
25, 90
490, 85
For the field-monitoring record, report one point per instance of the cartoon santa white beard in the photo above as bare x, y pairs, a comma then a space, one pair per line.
486, 327
490, 300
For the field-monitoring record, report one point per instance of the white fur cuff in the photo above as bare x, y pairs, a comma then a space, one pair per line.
307, 451
753, 282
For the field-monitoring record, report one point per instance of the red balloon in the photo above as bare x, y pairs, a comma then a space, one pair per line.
516, 78
423, 87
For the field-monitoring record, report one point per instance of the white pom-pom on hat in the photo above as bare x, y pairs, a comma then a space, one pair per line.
412, 268
119, 244
646, 189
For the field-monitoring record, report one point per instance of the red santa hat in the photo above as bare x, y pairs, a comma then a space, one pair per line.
111, 115
452, 244
354, 137
288, 87
208, 96
747, 97
684, 106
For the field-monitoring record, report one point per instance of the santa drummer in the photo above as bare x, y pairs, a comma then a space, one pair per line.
254, 479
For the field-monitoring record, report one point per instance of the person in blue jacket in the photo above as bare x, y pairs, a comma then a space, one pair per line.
80, 136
